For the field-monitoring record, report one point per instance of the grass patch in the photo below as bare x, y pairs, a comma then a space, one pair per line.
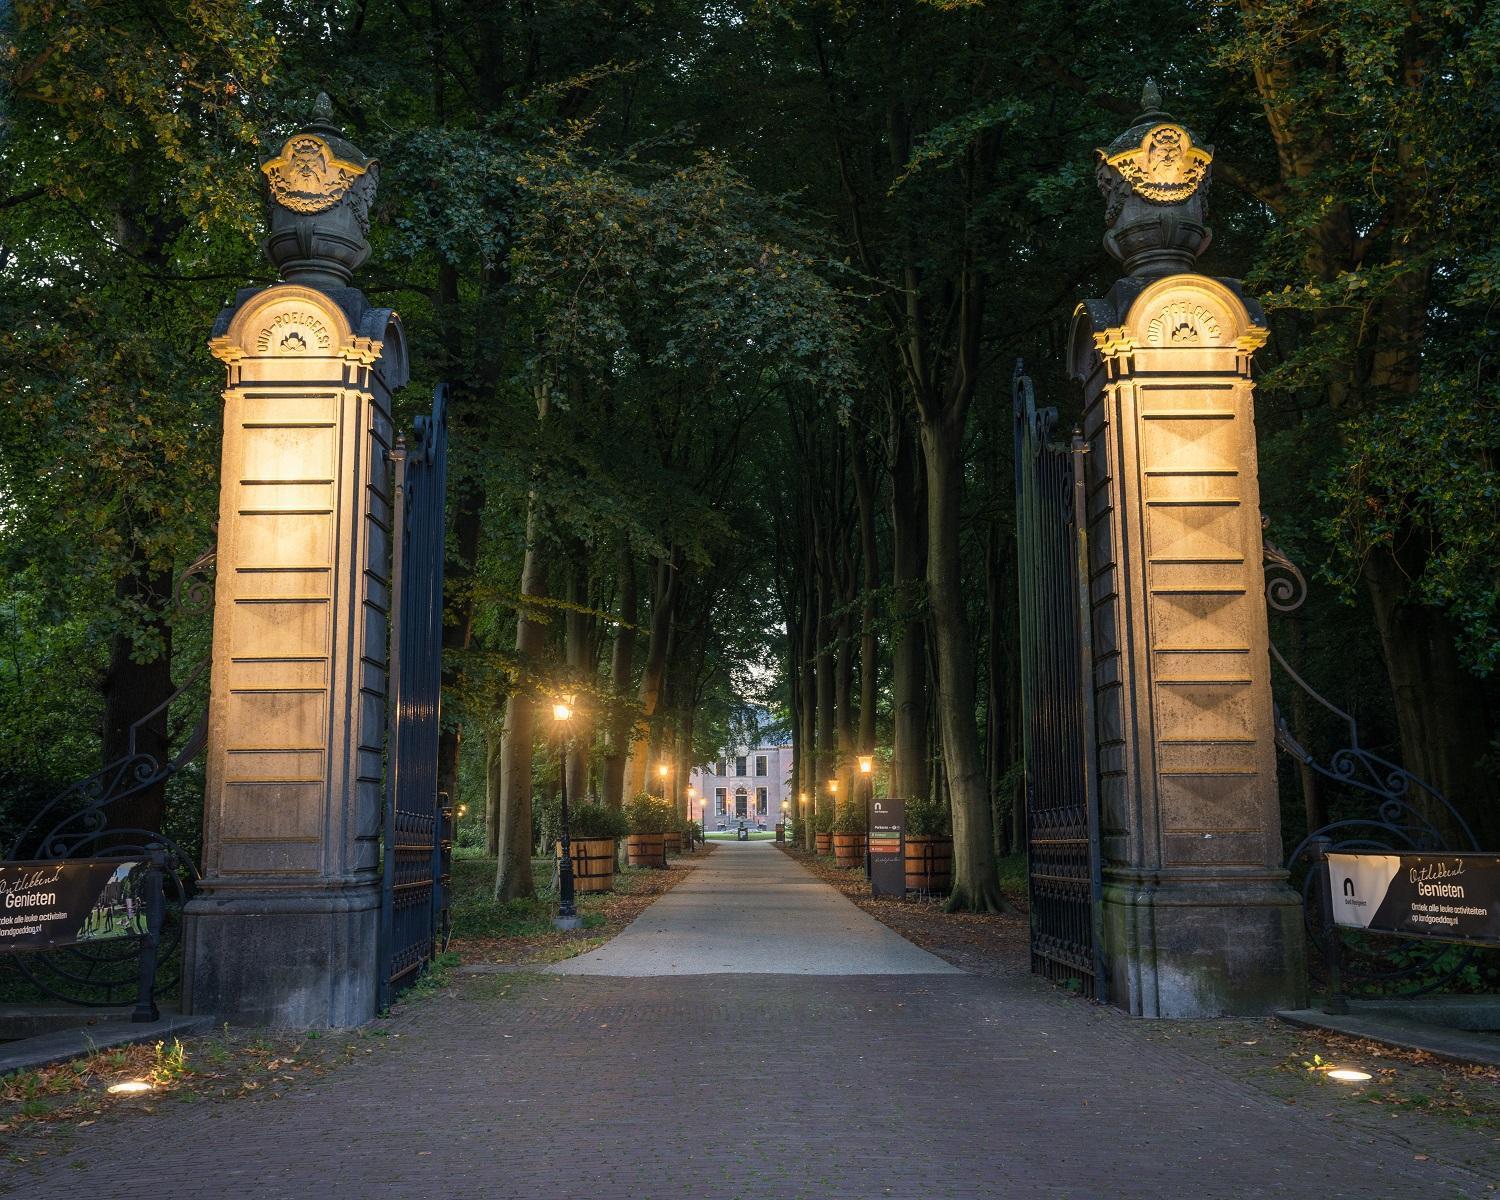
521, 930
1013, 884
756, 835
477, 915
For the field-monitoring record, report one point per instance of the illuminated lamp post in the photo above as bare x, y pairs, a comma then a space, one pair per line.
690, 792
867, 771
567, 913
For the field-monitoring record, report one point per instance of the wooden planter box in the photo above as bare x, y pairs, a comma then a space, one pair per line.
646, 850
673, 842
929, 863
823, 843
593, 863
848, 850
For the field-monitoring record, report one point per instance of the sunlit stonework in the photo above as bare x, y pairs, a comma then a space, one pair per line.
1166, 167
307, 177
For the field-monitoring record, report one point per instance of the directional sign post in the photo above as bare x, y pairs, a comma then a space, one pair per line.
887, 845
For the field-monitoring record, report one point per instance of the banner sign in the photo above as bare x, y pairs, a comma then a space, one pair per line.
887, 860
47, 904
1452, 897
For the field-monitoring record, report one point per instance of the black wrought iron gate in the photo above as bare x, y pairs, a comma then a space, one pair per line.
418, 821
1062, 816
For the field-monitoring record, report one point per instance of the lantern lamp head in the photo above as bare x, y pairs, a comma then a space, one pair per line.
866, 763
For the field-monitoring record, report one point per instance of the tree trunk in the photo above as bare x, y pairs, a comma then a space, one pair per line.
909, 652
622, 666
509, 779
1441, 710
825, 758
807, 682
869, 551
579, 651
133, 691
653, 675
994, 707
975, 880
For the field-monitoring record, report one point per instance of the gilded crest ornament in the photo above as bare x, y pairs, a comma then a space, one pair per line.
1166, 168
307, 177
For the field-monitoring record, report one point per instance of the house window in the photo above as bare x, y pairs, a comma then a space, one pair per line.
760, 764
719, 768
760, 801
739, 765
719, 795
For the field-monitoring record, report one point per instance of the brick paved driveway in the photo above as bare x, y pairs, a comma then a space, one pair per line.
734, 1085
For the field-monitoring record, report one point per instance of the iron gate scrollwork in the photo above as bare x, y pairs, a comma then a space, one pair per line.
418, 822
1062, 818
1386, 810
94, 818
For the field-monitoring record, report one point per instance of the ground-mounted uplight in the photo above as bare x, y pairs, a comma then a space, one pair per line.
130, 1087
1349, 1075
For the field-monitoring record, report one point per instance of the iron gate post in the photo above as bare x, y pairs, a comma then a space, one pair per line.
145, 1004
1336, 1002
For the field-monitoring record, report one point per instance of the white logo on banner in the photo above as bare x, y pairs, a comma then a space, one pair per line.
1359, 883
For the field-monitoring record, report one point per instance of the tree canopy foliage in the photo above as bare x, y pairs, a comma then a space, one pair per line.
729, 295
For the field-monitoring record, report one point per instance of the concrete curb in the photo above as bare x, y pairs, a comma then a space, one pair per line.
48, 1049
1452, 1045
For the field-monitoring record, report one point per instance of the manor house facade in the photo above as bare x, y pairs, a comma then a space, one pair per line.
750, 783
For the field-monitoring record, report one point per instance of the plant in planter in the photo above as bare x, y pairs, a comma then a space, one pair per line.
849, 836
929, 846
593, 830
650, 820
823, 829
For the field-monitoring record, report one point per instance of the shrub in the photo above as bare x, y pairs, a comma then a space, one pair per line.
851, 819
823, 820
927, 818
597, 821
649, 814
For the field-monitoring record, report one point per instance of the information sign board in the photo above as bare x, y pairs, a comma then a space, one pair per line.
1451, 897
886, 838
61, 903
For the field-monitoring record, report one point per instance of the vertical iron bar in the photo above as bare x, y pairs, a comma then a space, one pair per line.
145, 1001
385, 957
1333, 946
1080, 450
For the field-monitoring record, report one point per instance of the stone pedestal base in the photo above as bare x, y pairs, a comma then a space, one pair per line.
296, 959
1204, 948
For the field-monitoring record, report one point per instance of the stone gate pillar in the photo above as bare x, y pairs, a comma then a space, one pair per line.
1198, 919
284, 928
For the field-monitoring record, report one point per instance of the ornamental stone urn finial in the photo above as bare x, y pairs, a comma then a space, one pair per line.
1155, 178
320, 190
